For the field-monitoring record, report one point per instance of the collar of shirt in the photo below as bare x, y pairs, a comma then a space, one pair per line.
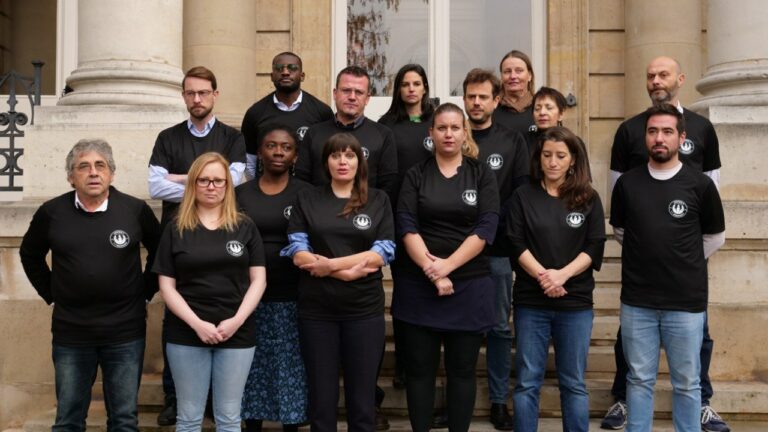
351, 126
101, 208
664, 174
206, 130
680, 107
283, 107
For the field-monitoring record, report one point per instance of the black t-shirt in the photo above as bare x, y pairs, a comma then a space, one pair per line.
211, 268
519, 121
447, 210
701, 149
311, 110
95, 279
316, 213
379, 149
176, 148
555, 236
662, 259
414, 145
270, 213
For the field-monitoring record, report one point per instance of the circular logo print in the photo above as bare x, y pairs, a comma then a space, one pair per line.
365, 153
287, 212
687, 147
469, 197
361, 222
495, 161
235, 248
575, 219
678, 208
532, 128
119, 239
302, 131
428, 144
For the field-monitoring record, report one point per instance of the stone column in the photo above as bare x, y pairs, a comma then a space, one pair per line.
654, 28
222, 37
129, 53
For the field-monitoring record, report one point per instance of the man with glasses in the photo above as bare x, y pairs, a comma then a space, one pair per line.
288, 104
175, 150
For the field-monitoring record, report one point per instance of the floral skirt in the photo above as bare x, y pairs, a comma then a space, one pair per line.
277, 386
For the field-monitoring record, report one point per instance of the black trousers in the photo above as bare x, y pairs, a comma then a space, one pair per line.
421, 352
356, 346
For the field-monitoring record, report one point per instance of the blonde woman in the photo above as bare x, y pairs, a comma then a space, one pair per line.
210, 264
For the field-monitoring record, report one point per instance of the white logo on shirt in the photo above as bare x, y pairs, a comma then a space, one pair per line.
469, 197
361, 222
119, 239
687, 147
678, 208
287, 212
495, 161
235, 248
428, 144
575, 219
365, 153
532, 128
301, 132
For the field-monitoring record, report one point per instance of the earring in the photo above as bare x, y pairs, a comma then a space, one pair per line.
570, 171
292, 170
259, 166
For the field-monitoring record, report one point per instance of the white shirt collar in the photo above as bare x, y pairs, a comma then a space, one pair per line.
664, 174
79, 205
206, 130
283, 107
680, 108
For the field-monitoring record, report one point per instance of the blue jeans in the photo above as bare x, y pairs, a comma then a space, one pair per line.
194, 370
643, 332
499, 345
570, 332
75, 369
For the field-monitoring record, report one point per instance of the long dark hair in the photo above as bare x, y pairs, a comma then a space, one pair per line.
341, 142
576, 191
397, 110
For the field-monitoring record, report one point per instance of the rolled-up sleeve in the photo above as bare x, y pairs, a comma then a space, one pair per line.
297, 242
385, 248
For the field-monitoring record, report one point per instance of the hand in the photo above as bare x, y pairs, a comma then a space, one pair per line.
322, 267
439, 268
555, 292
228, 327
444, 286
551, 278
357, 271
207, 333
177, 178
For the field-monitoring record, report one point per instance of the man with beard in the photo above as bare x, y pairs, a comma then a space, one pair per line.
288, 105
175, 150
669, 219
506, 153
699, 150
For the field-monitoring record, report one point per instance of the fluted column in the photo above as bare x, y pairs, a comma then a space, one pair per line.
129, 53
660, 28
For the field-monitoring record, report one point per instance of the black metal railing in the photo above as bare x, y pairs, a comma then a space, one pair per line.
12, 119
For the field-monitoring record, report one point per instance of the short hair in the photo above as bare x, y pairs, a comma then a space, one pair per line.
97, 145
469, 148
355, 71
288, 53
556, 96
201, 72
271, 127
479, 76
666, 109
527, 60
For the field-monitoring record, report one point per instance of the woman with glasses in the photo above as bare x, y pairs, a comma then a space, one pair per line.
210, 264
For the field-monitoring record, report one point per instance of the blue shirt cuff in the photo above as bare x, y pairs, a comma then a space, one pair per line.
298, 242
385, 248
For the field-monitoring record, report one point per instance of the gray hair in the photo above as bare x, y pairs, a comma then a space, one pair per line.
97, 145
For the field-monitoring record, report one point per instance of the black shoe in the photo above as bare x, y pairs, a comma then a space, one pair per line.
167, 416
382, 423
500, 417
440, 420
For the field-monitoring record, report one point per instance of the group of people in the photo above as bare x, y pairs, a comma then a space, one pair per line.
273, 286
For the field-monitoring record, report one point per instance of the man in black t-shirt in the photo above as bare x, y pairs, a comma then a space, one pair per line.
669, 219
175, 150
288, 104
506, 154
95, 285
700, 150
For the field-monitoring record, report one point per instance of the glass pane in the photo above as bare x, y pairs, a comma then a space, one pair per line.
482, 31
383, 35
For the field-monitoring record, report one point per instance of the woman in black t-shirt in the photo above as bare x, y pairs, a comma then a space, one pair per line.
446, 214
557, 231
549, 107
341, 234
210, 263
515, 110
276, 389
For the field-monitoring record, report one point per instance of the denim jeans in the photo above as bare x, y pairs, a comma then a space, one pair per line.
194, 370
499, 344
75, 368
644, 331
570, 332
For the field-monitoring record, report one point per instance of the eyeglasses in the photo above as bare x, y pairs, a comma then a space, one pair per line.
292, 67
217, 182
202, 93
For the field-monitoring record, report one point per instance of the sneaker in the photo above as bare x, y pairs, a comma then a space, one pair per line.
616, 417
711, 421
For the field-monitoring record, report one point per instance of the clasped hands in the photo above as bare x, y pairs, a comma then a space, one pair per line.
437, 271
552, 282
211, 334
